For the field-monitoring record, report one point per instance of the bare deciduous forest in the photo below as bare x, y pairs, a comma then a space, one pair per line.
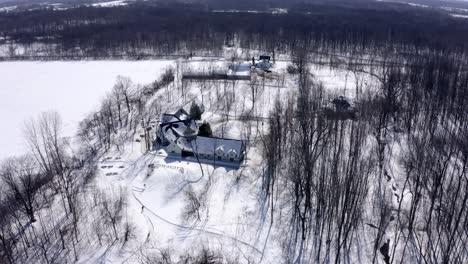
393, 177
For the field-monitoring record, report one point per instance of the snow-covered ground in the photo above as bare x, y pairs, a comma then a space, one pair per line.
230, 219
459, 16
110, 3
403, 2
7, 8
269, 11
71, 88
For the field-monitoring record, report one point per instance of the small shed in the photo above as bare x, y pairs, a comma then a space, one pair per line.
264, 63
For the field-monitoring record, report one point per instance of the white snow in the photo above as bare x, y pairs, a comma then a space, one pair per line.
230, 218
71, 88
111, 4
459, 16
269, 11
402, 2
7, 8
418, 5
454, 9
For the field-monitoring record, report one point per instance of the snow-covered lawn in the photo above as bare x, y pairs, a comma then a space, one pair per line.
71, 88
229, 217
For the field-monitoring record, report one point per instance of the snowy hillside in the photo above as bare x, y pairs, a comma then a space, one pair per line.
229, 217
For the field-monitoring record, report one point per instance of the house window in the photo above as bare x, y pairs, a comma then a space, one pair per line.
219, 157
231, 159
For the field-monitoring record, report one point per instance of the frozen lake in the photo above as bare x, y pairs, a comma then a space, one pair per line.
73, 89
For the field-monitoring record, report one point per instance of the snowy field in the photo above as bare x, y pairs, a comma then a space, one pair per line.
71, 88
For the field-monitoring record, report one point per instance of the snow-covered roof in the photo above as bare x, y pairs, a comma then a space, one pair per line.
264, 65
240, 69
181, 114
168, 118
169, 134
178, 124
183, 132
208, 146
174, 130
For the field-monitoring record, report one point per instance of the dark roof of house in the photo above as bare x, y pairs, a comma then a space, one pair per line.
182, 130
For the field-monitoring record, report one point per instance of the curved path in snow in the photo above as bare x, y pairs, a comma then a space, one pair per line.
196, 229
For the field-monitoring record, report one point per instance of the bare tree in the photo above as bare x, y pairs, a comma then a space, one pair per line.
52, 154
7, 235
22, 179
112, 209
123, 91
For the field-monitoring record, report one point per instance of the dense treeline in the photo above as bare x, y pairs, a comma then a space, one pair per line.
161, 30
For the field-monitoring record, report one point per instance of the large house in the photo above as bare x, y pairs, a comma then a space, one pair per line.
178, 134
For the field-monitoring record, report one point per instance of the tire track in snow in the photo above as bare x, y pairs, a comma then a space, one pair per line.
196, 229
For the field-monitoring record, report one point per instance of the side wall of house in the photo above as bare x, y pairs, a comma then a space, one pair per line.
173, 148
